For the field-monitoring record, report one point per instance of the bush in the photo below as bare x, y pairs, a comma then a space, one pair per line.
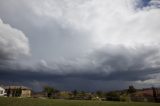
125, 98
112, 96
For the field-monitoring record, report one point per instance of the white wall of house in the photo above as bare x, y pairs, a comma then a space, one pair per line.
2, 91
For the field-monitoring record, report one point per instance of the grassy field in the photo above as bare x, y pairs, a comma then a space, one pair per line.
52, 102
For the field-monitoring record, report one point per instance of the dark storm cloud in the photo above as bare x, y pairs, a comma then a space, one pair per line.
110, 63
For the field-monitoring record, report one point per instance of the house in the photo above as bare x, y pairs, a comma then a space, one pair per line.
17, 91
2, 91
146, 94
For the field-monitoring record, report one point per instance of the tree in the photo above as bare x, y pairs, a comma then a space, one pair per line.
131, 89
75, 92
49, 91
9, 92
155, 94
113, 96
99, 93
18, 92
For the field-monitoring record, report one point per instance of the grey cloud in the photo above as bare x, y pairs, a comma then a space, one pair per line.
64, 34
126, 58
110, 63
45, 33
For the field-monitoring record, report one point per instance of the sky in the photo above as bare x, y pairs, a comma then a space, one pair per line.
80, 44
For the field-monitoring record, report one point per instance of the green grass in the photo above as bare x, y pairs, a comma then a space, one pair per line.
53, 102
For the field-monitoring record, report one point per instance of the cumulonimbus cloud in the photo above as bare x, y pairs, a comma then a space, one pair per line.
124, 35
121, 31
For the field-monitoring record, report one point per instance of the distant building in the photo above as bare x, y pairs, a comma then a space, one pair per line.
17, 91
2, 91
146, 92
146, 95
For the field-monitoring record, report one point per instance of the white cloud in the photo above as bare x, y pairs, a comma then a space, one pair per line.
114, 22
13, 42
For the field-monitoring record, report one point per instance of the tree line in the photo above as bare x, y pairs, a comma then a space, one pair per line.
122, 95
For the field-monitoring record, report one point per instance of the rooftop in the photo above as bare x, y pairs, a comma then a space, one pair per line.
16, 87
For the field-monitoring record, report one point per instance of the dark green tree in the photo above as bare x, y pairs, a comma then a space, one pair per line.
99, 93
113, 96
155, 94
131, 89
49, 91
9, 92
18, 92
75, 92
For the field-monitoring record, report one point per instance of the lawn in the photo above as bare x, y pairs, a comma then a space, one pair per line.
53, 102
